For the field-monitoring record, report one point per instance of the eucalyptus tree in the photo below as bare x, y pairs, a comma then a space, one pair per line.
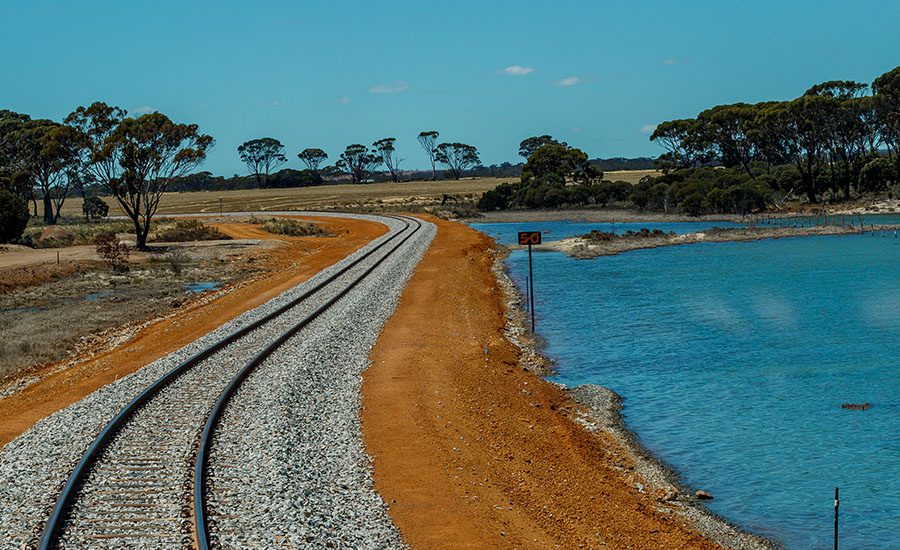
262, 156
529, 145
52, 154
358, 162
137, 157
886, 89
313, 158
384, 148
428, 141
458, 157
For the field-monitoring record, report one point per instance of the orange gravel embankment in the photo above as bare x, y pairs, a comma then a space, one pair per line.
473, 452
287, 266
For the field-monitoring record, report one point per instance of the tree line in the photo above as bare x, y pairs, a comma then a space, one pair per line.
134, 158
838, 140
358, 162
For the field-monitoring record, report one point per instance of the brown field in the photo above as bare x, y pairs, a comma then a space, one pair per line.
376, 196
342, 196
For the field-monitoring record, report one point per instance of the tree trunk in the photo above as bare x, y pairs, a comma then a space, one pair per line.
48, 210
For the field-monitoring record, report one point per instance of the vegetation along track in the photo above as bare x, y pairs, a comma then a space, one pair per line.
144, 477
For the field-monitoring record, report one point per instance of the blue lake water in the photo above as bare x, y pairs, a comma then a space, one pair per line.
734, 360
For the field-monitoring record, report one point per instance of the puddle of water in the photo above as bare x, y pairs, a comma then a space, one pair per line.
203, 286
22, 309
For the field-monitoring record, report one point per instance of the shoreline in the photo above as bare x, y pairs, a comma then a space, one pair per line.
601, 412
581, 248
626, 215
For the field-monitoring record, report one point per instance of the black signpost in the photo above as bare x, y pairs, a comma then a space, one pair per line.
530, 238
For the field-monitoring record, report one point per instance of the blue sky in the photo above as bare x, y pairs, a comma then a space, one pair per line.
599, 75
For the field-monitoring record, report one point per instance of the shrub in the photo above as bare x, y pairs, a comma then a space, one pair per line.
13, 217
113, 251
292, 228
176, 260
190, 230
94, 208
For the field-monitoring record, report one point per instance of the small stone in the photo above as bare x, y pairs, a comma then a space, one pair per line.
703, 495
667, 494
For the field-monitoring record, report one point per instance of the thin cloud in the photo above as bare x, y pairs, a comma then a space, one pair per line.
144, 109
395, 88
516, 70
341, 100
569, 81
674, 61
575, 129
270, 104
647, 129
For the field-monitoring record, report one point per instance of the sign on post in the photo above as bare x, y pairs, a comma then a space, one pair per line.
530, 238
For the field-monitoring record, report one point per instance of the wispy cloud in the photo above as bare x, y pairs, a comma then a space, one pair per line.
143, 110
516, 70
341, 100
575, 129
569, 81
394, 88
270, 103
647, 129
675, 61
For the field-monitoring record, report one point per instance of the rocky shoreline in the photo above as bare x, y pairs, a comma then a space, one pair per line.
601, 411
607, 244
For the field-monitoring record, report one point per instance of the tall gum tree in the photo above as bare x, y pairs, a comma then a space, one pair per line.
137, 157
428, 141
262, 156
458, 157
385, 150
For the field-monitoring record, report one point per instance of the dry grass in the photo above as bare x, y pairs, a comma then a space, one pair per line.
344, 196
413, 195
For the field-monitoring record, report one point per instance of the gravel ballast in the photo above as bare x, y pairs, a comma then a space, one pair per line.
303, 429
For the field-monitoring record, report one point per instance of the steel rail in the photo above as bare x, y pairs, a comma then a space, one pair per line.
66, 498
201, 517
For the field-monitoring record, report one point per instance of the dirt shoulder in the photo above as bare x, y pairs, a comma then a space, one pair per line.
472, 451
608, 245
44, 389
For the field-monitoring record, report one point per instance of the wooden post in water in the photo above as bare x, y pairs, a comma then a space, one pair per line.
837, 503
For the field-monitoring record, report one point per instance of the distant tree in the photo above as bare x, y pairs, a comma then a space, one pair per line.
13, 216
677, 138
384, 148
886, 90
313, 158
332, 172
94, 208
458, 157
358, 162
262, 156
530, 145
52, 160
295, 178
10, 123
428, 141
559, 164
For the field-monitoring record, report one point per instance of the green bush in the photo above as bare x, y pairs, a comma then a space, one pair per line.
189, 230
292, 228
94, 208
13, 217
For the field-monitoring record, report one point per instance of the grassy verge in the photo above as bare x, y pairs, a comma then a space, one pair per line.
290, 228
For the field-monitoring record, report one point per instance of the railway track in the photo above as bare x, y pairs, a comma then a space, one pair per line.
144, 480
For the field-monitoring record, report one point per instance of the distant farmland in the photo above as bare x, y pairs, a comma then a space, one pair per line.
373, 195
